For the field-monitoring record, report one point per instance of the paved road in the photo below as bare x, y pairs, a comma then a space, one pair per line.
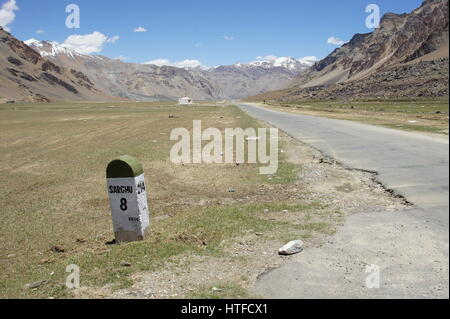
410, 247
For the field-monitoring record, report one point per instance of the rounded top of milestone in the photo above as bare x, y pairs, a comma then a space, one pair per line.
124, 166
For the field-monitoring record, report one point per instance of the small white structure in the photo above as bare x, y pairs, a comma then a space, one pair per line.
185, 101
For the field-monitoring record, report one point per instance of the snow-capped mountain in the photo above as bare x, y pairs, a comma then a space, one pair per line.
405, 57
292, 64
152, 81
26, 76
52, 49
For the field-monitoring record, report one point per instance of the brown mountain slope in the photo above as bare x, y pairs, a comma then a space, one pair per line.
129, 80
151, 82
389, 62
426, 79
26, 76
399, 39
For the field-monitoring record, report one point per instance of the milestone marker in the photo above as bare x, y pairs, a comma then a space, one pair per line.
128, 199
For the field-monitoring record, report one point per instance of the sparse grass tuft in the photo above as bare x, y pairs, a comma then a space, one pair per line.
53, 193
417, 128
227, 290
429, 116
287, 173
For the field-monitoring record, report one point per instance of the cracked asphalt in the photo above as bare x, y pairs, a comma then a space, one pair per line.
406, 250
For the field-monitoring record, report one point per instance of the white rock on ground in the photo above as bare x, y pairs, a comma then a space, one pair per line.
36, 284
293, 247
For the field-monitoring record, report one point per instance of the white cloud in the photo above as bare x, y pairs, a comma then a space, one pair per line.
140, 29
88, 43
309, 60
7, 14
267, 58
40, 31
188, 63
159, 62
121, 58
335, 41
113, 39
228, 37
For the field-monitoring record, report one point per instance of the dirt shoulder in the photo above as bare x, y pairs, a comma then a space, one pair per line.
426, 117
212, 225
333, 193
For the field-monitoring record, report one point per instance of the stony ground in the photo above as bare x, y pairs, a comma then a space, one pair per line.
422, 80
234, 274
212, 226
420, 115
427, 79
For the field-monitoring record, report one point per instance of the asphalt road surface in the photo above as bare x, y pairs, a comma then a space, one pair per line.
402, 254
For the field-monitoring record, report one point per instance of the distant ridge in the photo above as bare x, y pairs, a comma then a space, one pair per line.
382, 58
26, 76
147, 82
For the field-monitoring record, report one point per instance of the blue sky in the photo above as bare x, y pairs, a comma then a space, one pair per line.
212, 31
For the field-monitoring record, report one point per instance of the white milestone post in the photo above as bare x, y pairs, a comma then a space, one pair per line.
128, 199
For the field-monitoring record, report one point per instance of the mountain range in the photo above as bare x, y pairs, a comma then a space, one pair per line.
26, 76
406, 56
146, 82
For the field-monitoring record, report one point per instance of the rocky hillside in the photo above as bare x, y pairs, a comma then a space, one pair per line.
393, 61
426, 79
26, 76
236, 81
399, 39
150, 82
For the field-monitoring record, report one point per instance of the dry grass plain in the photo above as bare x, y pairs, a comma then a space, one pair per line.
53, 194
425, 116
